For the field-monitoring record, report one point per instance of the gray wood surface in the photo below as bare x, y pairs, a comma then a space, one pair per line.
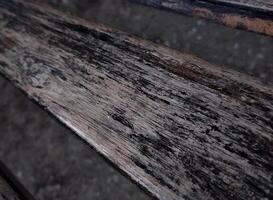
251, 15
177, 125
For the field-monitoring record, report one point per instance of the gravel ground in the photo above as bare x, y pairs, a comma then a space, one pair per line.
52, 162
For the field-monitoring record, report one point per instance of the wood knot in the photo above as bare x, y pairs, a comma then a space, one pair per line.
37, 72
191, 65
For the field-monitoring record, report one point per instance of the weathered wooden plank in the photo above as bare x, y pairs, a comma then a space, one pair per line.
10, 188
257, 5
180, 127
251, 15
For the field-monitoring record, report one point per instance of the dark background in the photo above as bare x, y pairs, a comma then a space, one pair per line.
51, 161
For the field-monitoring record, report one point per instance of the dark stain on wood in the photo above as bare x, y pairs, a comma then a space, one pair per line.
177, 125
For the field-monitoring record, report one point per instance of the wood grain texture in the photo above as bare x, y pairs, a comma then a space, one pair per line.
251, 15
180, 127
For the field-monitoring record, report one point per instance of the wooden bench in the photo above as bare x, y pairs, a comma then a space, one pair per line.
251, 15
180, 127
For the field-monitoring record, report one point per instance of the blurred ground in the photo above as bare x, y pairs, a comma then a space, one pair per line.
55, 164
